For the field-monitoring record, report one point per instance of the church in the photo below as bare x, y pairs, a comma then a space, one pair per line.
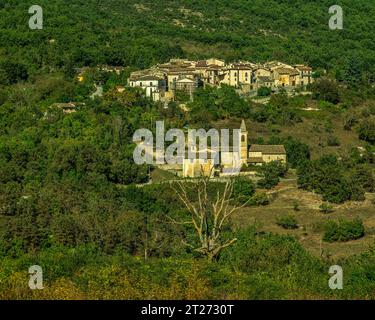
231, 162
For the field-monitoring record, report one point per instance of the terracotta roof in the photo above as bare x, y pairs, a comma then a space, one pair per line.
261, 68
241, 66
201, 63
214, 67
303, 68
268, 149
288, 71
264, 79
179, 71
148, 77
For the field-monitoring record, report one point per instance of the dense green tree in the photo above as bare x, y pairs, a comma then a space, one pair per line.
366, 130
272, 172
326, 90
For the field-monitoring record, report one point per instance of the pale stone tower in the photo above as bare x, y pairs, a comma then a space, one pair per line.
244, 154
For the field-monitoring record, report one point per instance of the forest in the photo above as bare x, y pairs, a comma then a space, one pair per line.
73, 201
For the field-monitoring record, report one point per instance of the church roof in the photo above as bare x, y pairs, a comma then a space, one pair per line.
243, 126
268, 149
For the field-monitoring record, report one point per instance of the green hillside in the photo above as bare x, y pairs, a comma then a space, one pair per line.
140, 33
73, 201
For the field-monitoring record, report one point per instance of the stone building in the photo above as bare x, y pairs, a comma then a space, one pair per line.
260, 154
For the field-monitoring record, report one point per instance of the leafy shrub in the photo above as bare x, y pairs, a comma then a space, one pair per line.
364, 177
366, 130
259, 199
287, 222
243, 190
326, 207
343, 230
329, 177
326, 90
264, 92
333, 141
272, 172
350, 120
296, 206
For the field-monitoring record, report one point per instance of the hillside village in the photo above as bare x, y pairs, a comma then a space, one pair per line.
161, 82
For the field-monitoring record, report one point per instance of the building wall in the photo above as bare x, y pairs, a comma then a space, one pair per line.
281, 80
274, 157
236, 77
268, 157
216, 62
171, 78
244, 154
153, 88
255, 154
305, 78
197, 167
262, 73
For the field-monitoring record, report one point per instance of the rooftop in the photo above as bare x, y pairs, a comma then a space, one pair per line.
265, 79
288, 71
268, 149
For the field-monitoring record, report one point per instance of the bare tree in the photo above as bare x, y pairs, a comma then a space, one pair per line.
208, 216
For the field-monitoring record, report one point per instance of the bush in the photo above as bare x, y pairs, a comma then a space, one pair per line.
333, 141
326, 90
328, 177
259, 199
350, 121
264, 92
243, 190
343, 230
296, 206
366, 130
287, 222
326, 207
272, 172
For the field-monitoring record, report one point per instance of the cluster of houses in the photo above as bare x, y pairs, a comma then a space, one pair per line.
163, 81
229, 160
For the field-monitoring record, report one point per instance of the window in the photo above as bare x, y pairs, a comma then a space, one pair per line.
151, 84
140, 84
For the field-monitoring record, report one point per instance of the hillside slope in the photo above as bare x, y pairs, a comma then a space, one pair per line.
140, 33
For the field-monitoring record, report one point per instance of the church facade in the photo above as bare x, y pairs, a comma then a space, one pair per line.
230, 161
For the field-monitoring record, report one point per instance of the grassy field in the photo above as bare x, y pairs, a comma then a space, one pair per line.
310, 219
314, 130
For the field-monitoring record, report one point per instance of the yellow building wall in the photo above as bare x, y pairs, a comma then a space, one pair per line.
197, 168
274, 157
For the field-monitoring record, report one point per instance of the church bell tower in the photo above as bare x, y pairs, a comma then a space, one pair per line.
244, 154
